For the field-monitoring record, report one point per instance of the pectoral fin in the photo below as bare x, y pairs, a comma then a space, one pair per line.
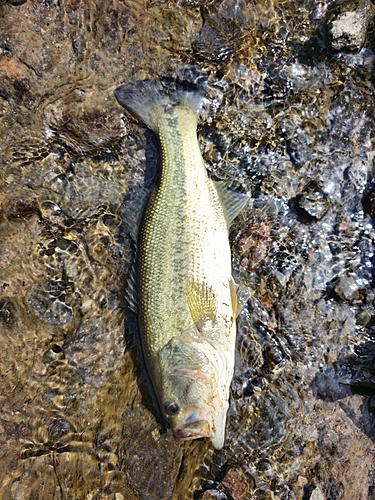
233, 296
202, 302
239, 297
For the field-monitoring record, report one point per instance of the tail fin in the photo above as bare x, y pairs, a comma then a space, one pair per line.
147, 98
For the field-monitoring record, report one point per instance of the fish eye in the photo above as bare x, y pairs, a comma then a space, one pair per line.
171, 408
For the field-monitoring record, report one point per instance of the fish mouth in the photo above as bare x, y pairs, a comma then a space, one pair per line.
196, 426
192, 430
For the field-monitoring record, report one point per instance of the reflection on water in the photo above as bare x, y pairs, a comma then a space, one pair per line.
283, 116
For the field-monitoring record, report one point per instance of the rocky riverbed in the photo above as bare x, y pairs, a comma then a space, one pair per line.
290, 115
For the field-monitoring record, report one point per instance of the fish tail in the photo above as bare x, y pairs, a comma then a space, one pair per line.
148, 99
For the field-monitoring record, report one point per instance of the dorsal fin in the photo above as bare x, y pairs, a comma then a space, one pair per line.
132, 216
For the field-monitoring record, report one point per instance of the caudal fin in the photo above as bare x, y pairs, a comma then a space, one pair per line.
148, 98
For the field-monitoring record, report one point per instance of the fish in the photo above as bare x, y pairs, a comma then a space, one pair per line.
187, 301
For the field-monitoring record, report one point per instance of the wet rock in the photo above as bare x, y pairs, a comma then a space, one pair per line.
315, 494
348, 287
54, 221
371, 405
58, 428
213, 495
364, 317
83, 124
236, 484
7, 312
220, 35
331, 385
22, 208
363, 62
15, 2
369, 203
253, 244
217, 40
54, 356
15, 80
348, 27
363, 369
47, 308
312, 203
84, 195
319, 11
56, 172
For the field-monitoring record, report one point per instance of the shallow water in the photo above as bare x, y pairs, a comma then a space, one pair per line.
284, 117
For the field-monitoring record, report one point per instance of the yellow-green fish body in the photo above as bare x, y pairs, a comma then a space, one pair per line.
187, 300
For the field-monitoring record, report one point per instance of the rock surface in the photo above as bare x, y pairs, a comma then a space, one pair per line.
349, 25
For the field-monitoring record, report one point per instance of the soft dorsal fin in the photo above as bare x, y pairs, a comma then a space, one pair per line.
202, 302
232, 200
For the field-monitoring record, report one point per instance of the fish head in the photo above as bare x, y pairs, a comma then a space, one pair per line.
189, 391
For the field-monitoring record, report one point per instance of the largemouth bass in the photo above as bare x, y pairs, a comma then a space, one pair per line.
186, 294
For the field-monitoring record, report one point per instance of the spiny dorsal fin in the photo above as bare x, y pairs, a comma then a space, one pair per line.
232, 200
202, 303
